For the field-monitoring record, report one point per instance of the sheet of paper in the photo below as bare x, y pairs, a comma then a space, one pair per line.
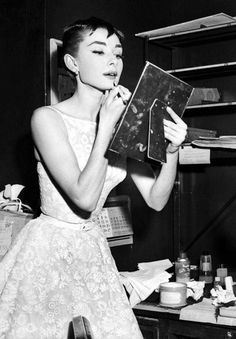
189, 155
106, 223
159, 264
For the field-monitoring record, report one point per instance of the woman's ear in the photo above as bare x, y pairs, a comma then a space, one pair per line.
71, 63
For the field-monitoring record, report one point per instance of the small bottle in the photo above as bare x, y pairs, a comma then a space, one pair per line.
222, 272
217, 283
182, 268
229, 284
205, 269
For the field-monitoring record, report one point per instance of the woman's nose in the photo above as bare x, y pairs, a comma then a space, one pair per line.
112, 60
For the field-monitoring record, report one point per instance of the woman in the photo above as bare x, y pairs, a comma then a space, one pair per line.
60, 265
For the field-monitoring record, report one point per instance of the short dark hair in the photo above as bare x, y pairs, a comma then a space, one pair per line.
74, 33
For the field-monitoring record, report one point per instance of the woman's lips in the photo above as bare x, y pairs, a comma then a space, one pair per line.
111, 76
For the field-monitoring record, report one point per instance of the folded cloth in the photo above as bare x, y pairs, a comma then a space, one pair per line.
9, 200
140, 284
203, 311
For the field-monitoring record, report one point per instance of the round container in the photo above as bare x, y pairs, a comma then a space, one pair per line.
173, 294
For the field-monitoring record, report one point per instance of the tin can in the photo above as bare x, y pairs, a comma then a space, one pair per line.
173, 294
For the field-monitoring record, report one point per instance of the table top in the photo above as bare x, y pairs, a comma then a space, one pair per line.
198, 313
155, 307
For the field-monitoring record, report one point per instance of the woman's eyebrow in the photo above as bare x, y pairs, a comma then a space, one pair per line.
103, 44
97, 42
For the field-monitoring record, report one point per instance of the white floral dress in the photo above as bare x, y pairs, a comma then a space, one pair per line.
60, 265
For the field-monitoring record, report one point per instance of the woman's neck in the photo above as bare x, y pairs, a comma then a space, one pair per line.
86, 103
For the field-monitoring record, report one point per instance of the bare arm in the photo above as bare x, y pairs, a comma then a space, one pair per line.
156, 188
53, 147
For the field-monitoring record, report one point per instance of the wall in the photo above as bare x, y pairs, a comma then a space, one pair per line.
131, 16
22, 79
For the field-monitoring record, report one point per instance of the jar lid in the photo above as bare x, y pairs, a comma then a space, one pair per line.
182, 255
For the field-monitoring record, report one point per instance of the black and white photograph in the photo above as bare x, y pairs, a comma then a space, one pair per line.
118, 169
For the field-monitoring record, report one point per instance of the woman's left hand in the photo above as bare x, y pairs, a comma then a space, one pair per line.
175, 131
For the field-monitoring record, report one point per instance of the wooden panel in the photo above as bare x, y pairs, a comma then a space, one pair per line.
149, 327
183, 329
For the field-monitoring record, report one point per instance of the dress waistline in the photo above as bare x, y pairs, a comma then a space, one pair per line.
86, 225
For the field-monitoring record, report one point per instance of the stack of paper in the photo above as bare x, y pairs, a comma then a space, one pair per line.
227, 316
200, 312
228, 311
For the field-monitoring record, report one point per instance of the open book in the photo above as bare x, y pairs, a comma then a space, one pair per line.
140, 133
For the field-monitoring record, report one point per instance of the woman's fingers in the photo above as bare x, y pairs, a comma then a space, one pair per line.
118, 93
175, 126
112, 94
175, 117
175, 131
121, 94
176, 137
124, 93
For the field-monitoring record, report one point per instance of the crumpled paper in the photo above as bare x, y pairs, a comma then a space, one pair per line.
9, 200
195, 289
141, 283
221, 296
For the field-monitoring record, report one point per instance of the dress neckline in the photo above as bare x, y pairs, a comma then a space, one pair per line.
72, 116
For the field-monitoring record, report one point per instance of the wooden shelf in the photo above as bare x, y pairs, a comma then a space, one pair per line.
191, 36
218, 69
213, 105
205, 58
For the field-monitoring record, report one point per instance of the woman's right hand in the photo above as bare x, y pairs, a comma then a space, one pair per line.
112, 106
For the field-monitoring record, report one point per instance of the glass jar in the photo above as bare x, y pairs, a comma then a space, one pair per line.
182, 268
205, 269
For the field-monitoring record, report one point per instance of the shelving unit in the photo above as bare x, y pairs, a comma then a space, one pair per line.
204, 57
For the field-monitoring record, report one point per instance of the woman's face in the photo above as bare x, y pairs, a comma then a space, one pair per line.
99, 60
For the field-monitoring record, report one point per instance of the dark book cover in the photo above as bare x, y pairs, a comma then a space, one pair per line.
140, 133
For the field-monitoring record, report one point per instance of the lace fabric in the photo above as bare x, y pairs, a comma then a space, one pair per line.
60, 267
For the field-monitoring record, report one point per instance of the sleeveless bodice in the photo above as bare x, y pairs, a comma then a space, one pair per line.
81, 134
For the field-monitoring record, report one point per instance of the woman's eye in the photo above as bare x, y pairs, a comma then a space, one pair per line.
98, 52
120, 56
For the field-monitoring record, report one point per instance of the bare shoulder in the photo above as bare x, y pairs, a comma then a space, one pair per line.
46, 116
44, 113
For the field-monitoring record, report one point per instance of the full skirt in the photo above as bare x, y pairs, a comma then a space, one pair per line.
52, 274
